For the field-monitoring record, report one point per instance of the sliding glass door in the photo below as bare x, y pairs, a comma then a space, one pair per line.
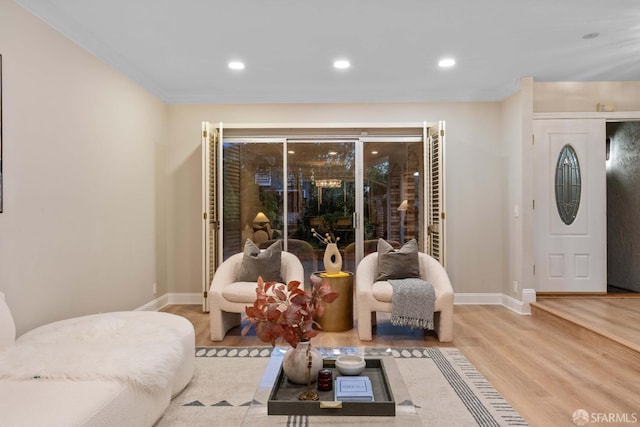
301, 192
393, 192
321, 197
252, 195
303, 189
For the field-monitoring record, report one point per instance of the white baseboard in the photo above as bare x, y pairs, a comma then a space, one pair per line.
155, 304
477, 299
517, 306
194, 298
520, 307
528, 296
170, 299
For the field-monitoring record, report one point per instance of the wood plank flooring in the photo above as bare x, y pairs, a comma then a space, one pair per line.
542, 367
615, 318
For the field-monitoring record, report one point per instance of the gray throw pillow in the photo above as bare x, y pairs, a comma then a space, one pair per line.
400, 263
260, 263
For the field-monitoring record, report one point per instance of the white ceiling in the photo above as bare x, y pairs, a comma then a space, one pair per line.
179, 49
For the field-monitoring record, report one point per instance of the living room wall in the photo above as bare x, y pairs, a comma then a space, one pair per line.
102, 180
552, 97
83, 158
516, 129
475, 180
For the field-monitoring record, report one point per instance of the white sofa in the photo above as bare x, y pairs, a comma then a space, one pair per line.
110, 369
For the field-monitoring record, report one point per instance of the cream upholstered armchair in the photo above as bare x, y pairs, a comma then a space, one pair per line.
370, 246
304, 251
229, 297
372, 296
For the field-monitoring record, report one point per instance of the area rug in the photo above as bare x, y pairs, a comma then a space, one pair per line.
445, 389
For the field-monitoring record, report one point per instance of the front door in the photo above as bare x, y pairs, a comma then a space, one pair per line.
570, 205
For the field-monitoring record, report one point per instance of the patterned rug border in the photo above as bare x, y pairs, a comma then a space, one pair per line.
254, 351
458, 379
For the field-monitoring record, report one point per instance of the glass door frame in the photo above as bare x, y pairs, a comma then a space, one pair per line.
358, 179
423, 174
360, 141
287, 144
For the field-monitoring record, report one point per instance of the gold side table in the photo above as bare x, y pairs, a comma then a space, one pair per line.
338, 315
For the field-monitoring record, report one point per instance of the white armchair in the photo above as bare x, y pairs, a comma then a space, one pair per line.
372, 296
229, 298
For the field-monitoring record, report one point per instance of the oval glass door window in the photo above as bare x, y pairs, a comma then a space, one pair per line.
567, 184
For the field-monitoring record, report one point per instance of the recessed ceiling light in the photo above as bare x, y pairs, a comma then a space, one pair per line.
341, 64
374, 152
446, 62
291, 152
236, 65
333, 153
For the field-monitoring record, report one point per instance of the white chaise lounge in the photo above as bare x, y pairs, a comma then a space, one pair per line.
140, 360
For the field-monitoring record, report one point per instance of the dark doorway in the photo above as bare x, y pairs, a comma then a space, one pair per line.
623, 205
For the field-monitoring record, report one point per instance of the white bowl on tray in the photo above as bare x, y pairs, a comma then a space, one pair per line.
350, 364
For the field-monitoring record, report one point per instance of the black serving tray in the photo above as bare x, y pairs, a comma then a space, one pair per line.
283, 399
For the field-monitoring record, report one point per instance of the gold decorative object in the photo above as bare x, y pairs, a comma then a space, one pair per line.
329, 183
338, 316
295, 361
309, 394
261, 219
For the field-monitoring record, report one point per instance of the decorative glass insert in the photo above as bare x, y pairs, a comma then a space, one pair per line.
568, 184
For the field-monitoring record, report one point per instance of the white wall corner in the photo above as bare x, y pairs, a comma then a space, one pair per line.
155, 304
513, 304
521, 307
528, 296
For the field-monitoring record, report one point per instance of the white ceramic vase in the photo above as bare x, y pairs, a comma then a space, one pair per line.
332, 259
296, 363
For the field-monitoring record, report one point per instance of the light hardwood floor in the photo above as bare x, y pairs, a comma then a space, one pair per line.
617, 318
544, 368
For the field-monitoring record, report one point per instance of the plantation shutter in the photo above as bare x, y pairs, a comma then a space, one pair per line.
436, 211
209, 209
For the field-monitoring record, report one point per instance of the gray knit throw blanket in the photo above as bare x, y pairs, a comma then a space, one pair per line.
412, 303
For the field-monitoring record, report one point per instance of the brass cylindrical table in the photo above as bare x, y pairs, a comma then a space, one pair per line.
338, 315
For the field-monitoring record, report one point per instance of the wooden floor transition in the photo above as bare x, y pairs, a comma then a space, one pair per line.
545, 366
613, 318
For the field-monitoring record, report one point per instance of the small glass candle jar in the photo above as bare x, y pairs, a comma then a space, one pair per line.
325, 380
